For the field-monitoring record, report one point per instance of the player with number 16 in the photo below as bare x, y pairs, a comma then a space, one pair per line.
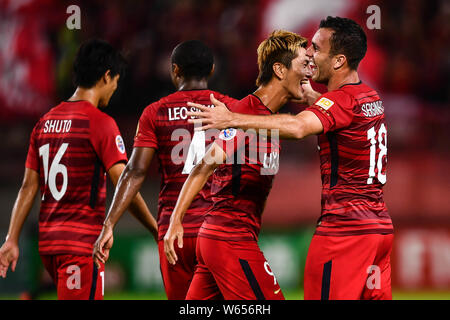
72, 148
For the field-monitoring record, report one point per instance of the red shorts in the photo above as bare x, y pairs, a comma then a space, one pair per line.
349, 267
178, 277
232, 270
75, 277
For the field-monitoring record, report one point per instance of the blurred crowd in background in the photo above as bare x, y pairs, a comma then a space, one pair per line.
408, 62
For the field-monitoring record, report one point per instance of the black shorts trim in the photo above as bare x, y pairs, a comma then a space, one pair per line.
252, 280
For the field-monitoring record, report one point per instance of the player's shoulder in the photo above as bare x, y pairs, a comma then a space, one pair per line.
223, 97
97, 115
79, 109
99, 121
346, 95
251, 104
357, 90
58, 109
175, 97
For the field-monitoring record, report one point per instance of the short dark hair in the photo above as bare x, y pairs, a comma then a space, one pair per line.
348, 39
194, 58
93, 59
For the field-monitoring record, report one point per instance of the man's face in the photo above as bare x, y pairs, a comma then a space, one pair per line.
319, 51
109, 89
300, 70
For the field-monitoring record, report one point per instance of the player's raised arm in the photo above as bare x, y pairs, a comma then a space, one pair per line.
128, 180
9, 252
192, 186
289, 126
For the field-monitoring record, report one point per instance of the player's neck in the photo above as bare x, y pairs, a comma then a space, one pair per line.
341, 78
193, 85
272, 95
91, 95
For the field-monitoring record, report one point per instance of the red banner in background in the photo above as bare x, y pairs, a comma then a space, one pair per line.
27, 85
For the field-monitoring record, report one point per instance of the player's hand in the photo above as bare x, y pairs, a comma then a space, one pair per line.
175, 232
310, 94
103, 245
210, 118
9, 254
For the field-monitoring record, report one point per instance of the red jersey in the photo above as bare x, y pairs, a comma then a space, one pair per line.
353, 158
164, 127
241, 186
72, 147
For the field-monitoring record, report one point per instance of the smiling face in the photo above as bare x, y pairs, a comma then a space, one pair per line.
299, 70
319, 51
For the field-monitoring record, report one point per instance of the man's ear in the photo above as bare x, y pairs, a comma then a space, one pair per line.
176, 70
339, 61
107, 77
212, 70
279, 70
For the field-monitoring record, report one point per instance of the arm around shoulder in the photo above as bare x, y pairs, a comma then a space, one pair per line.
307, 124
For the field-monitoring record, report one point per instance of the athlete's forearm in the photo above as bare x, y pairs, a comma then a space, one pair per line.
286, 125
23, 204
126, 192
191, 187
140, 211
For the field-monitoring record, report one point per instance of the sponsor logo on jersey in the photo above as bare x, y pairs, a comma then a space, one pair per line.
228, 134
120, 145
324, 103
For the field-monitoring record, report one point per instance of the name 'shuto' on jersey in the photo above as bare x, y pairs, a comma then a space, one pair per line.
57, 126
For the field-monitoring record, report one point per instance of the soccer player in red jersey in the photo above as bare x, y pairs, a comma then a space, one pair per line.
163, 130
72, 147
230, 263
349, 255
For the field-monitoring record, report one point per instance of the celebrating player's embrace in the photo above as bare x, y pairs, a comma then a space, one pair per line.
213, 196
355, 232
230, 264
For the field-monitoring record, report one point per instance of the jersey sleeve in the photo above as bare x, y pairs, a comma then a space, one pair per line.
334, 110
32, 161
107, 141
146, 130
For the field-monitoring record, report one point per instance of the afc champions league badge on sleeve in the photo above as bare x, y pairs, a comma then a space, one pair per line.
227, 134
120, 145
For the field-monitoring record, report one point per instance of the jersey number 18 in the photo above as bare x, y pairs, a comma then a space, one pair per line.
382, 144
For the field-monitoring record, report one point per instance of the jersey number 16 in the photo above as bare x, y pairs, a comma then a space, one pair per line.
55, 168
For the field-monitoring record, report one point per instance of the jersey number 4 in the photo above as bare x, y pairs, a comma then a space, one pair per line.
55, 168
382, 144
196, 151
